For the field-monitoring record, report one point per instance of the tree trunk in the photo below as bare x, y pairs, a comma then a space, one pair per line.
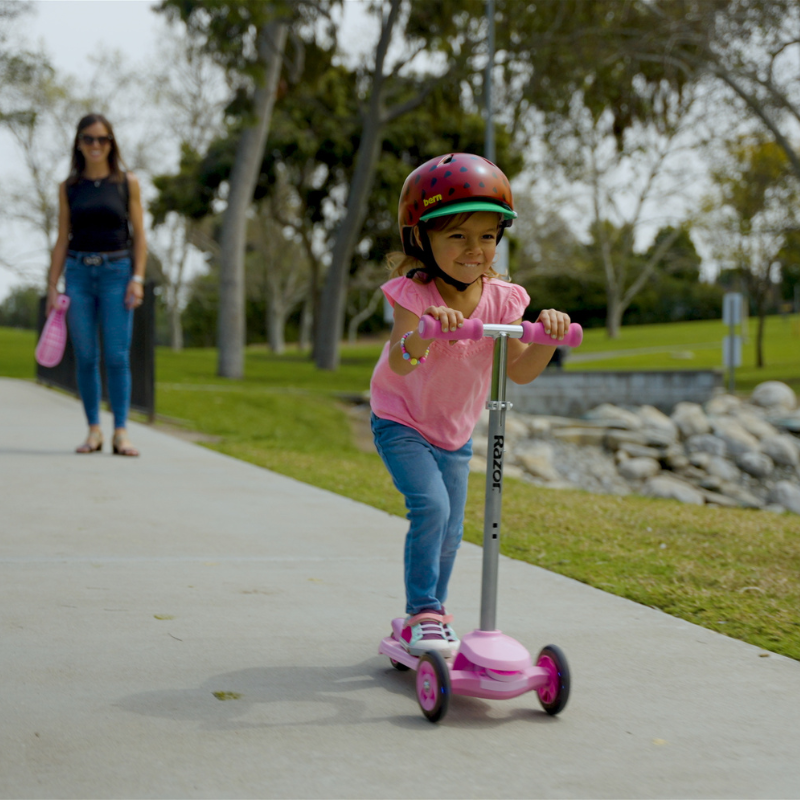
762, 319
249, 154
276, 324
331, 320
614, 313
175, 327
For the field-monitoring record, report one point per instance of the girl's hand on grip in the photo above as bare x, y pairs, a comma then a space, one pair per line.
449, 318
556, 323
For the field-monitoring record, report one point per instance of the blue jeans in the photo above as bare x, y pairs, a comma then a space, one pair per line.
97, 301
434, 484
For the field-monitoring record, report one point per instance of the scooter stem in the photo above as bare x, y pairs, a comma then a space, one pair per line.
497, 406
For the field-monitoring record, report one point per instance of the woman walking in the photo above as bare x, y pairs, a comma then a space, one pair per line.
101, 248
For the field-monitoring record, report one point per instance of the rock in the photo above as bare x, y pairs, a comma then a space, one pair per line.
639, 469
755, 425
706, 443
655, 420
640, 451
745, 499
480, 446
710, 482
615, 439
723, 404
786, 494
690, 419
737, 439
717, 499
607, 412
477, 464
516, 429
676, 461
672, 489
539, 427
722, 468
654, 437
775, 508
510, 471
774, 395
782, 449
700, 460
756, 464
537, 460
581, 436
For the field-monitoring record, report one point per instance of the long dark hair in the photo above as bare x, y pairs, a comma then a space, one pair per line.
78, 164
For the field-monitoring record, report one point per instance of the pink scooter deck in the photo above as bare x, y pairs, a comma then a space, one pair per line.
502, 668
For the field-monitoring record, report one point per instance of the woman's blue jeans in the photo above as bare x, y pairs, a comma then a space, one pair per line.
434, 484
96, 292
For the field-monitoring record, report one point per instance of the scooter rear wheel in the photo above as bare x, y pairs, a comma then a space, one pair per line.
554, 694
398, 665
433, 685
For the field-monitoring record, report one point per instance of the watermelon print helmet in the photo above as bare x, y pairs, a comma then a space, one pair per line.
452, 184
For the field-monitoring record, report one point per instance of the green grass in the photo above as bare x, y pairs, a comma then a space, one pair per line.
731, 570
781, 350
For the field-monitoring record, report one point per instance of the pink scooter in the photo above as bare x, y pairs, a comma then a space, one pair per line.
488, 663
50, 349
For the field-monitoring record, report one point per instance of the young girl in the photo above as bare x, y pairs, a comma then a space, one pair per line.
427, 395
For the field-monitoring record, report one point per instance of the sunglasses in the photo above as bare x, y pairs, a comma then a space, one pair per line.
90, 140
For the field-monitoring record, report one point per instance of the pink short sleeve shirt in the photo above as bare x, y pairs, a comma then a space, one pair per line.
443, 397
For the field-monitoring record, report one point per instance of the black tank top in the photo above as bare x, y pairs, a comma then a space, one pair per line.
98, 213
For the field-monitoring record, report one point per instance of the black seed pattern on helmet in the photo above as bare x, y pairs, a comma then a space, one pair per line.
433, 182
482, 185
452, 189
416, 180
466, 186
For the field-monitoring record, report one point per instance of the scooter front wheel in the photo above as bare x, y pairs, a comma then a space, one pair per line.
554, 694
433, 685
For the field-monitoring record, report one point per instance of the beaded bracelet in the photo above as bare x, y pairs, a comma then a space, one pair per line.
407, 356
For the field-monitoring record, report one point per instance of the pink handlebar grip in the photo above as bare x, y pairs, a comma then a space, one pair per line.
431, 328
533, 332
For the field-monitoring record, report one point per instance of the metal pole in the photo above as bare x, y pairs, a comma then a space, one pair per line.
494, 484
489, 144
732, 354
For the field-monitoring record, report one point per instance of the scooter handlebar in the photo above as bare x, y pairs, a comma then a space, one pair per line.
534, 332
528, 332
431, 328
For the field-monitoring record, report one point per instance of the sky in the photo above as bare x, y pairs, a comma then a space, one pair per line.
71, 30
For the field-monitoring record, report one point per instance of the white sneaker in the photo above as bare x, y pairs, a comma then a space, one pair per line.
429, 630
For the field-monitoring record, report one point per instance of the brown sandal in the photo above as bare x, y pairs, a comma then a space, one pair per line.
122, 446
93, 443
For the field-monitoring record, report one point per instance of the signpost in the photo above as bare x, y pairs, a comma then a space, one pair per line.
732, 344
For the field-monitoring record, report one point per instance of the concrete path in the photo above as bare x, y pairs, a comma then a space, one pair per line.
133, 590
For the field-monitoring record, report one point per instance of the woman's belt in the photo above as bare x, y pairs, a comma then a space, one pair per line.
96, 259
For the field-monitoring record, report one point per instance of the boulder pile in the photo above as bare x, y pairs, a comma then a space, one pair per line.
730, 452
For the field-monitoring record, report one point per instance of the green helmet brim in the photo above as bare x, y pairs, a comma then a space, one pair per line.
468, 207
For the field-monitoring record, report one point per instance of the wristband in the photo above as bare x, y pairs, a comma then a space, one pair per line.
407, 356
137, 279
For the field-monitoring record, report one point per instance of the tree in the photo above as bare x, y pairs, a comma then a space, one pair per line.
620, 186
749, 216
248, 38
392, 88
190, 96
749, 46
